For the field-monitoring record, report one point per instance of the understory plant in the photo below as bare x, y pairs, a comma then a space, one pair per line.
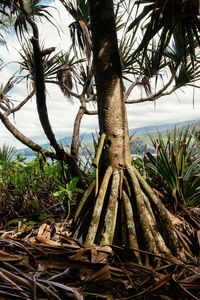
27, 188
7, 153
174, 169
67, 192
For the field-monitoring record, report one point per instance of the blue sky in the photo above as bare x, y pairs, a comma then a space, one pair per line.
175, 108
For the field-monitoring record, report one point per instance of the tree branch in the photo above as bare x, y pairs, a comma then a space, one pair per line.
90, 112
41, 95
34, 26
76, 131
69, 90
24, 140
131, 87
92, 98
69, 159
160, 93
194, 86
42, 110
48, 51
4, 108
153, 98
71, 93
10, 111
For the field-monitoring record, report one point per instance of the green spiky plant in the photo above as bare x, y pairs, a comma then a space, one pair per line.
175, 168
168, 18
7, 153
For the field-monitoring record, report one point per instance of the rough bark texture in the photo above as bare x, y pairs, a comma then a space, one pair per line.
120, 207
42, 107
108, 77
75, 137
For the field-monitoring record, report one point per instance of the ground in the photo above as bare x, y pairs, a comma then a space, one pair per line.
45, 263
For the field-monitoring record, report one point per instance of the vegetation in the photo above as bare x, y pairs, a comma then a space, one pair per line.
130, 215
26, 189
175, 167
119, 206
7, 153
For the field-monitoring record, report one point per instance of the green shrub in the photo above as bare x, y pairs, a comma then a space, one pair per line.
27, 188
174, 169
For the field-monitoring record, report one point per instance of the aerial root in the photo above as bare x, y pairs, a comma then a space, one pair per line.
90, 238
132, 236
97, 159
125, 203
84, 199
152, 238
161, 213
111, 212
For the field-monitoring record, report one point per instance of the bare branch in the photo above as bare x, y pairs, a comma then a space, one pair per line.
92, 98
71, 93
4, 108
34, 27
43, 115
153, 98
159, 94
69, 159
48, 51
41, 96
90, 112
131, 87
69, 90
23, 139
194, 86
10, 111
51, 81
76, 131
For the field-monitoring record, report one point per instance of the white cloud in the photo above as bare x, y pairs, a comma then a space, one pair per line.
62, 113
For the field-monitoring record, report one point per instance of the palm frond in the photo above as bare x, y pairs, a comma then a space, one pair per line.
23, 9
5, 89
163, 19
187, 73
79, 29
52, 64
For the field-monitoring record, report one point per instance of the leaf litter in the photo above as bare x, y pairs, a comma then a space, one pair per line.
47, 264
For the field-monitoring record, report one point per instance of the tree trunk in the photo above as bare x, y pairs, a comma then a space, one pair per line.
108, 77
119, 207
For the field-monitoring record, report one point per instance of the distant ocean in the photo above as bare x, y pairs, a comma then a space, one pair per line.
29, 158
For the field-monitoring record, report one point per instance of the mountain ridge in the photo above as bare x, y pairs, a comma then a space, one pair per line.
139, 131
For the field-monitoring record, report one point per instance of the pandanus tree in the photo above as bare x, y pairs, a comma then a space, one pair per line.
119, 207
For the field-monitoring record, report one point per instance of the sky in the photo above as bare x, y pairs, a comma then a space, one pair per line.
171, 109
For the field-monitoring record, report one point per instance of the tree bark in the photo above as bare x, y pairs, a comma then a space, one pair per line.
42, 107
120, 207
76, 131
108, 78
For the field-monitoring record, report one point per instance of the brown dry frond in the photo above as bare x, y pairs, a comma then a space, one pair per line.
65, 80
65, 268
